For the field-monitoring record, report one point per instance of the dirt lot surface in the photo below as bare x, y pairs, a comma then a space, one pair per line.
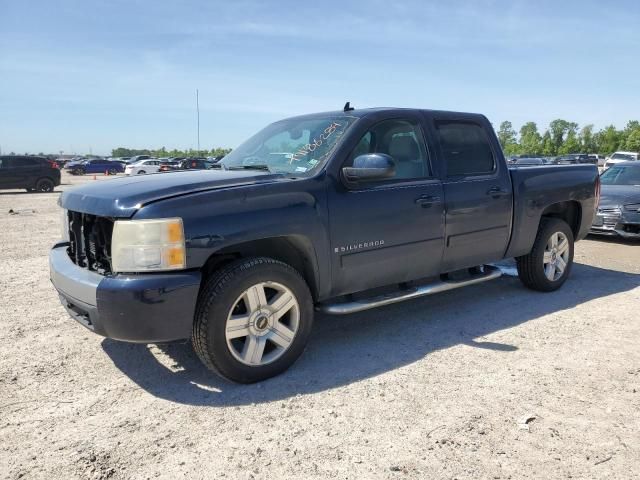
491, 381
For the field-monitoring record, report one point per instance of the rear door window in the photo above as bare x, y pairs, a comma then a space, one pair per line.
466, 148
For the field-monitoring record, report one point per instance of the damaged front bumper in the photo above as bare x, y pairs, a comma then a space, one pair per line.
144, 308
618, 221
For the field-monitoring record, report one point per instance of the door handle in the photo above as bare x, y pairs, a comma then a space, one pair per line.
425, 201
496, 192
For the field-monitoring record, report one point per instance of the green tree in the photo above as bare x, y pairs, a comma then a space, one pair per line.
559, 132
530, 139
587, 142
630, 135
571, 144
548, 149
507, 138
608, 140
632, 143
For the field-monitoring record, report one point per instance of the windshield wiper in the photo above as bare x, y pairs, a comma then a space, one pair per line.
250, 167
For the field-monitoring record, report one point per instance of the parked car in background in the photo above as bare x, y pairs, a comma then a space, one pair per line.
143, 166
124, 160
619, 207
137, 158
619, 157
96, 165
35, 174
170, 165
530, 161
597, 159
196, 164
575, 158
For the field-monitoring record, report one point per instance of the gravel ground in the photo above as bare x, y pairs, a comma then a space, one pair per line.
491, 381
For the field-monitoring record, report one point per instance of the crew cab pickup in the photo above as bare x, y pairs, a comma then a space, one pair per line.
337, 212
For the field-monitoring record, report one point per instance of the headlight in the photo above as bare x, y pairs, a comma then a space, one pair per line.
148, 245
64, 218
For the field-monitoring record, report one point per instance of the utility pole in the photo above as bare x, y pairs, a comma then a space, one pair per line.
198, 115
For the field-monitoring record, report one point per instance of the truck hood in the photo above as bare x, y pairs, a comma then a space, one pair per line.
616, 195
122, 197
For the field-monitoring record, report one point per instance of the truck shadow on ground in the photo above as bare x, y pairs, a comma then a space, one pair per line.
343, 350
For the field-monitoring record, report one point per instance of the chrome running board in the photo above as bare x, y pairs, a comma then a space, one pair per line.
490, 272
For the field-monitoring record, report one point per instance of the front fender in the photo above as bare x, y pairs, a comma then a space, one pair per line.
216, 221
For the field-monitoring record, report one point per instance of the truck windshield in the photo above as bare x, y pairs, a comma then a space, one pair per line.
297, 146
621, 175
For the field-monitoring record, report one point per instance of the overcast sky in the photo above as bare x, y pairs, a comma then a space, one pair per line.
80, 75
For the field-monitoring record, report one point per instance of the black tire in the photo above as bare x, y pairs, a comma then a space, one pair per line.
531, 267
113, 171
44, 185
217, 298
141, 172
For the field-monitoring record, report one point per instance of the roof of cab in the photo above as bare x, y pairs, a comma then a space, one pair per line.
363, 112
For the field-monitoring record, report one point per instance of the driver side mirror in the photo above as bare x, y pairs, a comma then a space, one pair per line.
370, 167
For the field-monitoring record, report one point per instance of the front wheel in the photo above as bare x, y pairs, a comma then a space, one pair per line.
141, 172
549, 263
113, 171
253, 319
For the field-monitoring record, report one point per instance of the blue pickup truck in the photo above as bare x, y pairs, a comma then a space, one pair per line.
336, 212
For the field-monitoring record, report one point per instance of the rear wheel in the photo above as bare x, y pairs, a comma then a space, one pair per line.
549, 263
113, 171
141, 172
253, 319
44, 185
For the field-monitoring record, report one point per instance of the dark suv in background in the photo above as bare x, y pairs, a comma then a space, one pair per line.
29, 172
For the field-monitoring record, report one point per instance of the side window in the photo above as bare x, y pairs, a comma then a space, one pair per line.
24, 162
466, 148
403, 141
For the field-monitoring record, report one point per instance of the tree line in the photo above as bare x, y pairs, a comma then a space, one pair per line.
563, 137
163, 152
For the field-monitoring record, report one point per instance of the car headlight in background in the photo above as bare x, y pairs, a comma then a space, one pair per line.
148, 245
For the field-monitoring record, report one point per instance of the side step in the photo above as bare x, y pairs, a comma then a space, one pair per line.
489, 272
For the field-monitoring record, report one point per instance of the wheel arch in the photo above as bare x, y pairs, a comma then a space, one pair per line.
294, 250
570, 211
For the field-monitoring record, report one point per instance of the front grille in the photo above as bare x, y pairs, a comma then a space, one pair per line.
90, 241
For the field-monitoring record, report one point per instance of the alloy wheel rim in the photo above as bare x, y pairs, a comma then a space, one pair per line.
556, 256
262, 324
